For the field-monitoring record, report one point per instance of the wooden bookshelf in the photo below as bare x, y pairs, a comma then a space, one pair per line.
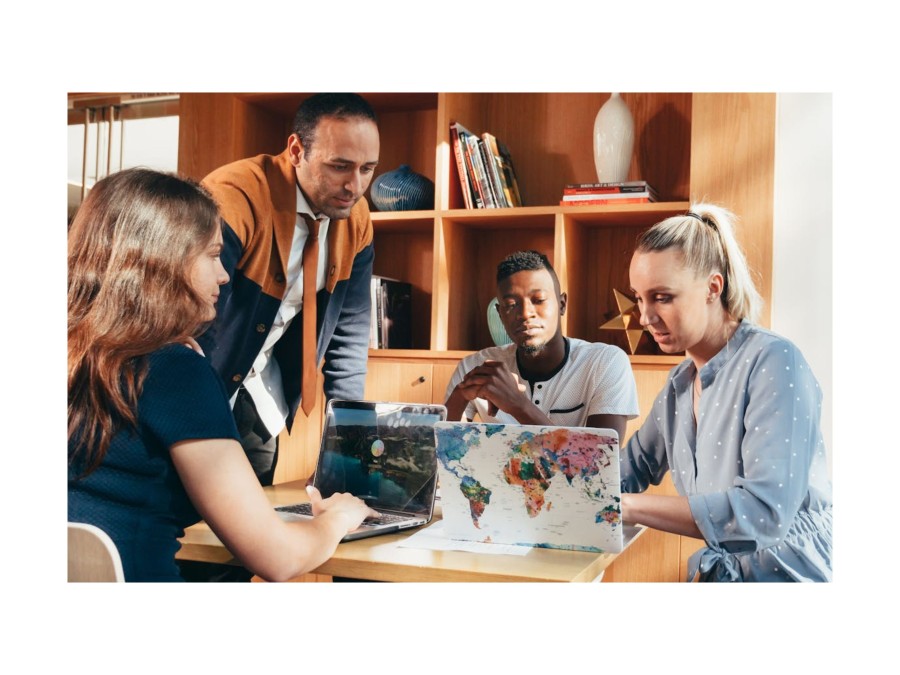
718, 147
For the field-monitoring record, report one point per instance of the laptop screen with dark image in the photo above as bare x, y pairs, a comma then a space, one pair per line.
383, 453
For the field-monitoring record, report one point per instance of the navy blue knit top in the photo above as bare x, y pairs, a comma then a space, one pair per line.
135, 495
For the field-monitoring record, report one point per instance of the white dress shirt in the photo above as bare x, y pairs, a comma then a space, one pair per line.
263, 383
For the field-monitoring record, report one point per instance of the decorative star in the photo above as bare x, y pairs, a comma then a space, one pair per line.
628, 320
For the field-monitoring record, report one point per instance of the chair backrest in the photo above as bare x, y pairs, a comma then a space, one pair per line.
93, 555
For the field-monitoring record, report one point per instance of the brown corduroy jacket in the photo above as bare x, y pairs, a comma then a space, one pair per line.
257, 199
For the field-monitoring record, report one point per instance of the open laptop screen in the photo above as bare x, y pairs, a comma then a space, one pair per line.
383, 453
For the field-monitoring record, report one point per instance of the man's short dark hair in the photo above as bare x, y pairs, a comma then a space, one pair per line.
313, 109
522, 261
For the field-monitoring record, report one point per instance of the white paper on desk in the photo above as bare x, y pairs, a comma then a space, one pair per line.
434, 538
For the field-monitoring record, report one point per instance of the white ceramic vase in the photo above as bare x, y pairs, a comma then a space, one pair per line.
613, 140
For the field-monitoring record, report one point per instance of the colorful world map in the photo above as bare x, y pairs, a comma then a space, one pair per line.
544, 486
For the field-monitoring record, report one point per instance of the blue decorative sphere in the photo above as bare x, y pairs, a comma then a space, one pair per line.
402, 190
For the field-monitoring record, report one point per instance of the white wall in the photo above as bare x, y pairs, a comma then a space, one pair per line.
802, 240
150, 142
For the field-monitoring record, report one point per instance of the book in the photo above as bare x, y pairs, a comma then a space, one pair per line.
492, 150
640, 184
397, 314
492, 173
487, 166
608, 195
474, 184
601, 202
607, 190
374, 328
465, 180
487, 176
478, 169
392, 309
509, 173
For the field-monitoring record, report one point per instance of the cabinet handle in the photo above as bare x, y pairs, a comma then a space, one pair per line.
422, 379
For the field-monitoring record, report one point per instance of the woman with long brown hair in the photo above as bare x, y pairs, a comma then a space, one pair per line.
152, 441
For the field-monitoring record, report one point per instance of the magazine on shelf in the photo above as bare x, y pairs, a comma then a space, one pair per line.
509, 173
391, 324
492, 150
587, 196
487, 177
606, 202
465, 179
473, 145
492, 173
625, 192
628, 184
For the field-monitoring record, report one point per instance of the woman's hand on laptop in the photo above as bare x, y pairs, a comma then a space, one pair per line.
351, 510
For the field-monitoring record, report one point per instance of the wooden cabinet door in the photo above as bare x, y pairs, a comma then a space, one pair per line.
398, 381
440, 379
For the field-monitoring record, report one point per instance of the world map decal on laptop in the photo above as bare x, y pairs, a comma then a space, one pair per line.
551, 487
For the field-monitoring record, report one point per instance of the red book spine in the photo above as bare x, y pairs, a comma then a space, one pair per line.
603, 202
461, 167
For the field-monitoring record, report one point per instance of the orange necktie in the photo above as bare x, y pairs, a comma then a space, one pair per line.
310, 267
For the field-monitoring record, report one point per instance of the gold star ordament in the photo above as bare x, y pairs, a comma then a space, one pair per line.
628, 320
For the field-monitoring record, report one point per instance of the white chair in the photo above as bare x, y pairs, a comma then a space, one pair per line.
93, 555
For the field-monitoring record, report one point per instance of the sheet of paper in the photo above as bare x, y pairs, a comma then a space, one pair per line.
433, 538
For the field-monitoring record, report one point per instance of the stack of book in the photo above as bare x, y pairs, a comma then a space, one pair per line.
390, 325
486, 171
594, 194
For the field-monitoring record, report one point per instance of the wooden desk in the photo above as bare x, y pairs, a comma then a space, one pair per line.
381, 559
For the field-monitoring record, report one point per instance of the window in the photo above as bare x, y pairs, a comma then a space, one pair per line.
123, 131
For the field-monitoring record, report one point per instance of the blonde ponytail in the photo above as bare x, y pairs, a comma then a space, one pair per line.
705, 238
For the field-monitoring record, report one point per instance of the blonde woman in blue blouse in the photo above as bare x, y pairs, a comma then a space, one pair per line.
738, 423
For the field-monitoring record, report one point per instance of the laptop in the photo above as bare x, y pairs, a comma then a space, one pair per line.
539, 486
383, 453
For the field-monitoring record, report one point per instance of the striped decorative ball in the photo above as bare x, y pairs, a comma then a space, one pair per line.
402, 190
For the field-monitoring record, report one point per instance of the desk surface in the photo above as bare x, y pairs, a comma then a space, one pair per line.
380, 558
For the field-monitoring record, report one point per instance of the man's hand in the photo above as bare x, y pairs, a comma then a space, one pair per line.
468, 390
499, 386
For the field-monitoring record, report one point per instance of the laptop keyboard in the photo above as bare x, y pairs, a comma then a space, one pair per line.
385, 519
305, 509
